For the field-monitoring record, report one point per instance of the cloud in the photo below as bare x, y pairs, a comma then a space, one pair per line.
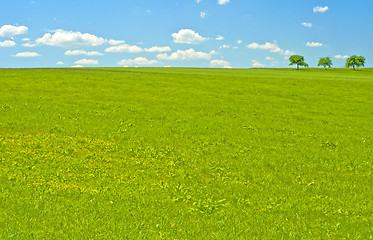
27, 54
69, 39
115, 42
320, 9
314, 44
189, 54
203, 14
124, 48
86, 62
239, 41
137, 61
30, 45
82, 52
270, 58
218, 63
136, 49
219, 38
11, 31
158, 49
198, 1
222, 2
257, 64
188, 36
288, 52
26, 39
213, 52
341, 57
305, 24
272, 47
77, 66
224, 46
60, 63
8, 43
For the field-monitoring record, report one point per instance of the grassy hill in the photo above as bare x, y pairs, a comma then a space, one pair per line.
158, 153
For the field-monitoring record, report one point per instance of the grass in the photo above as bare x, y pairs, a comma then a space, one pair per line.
154, 153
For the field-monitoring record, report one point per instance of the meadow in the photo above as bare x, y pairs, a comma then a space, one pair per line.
173, 153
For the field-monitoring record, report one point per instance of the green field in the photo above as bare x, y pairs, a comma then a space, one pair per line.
168, 153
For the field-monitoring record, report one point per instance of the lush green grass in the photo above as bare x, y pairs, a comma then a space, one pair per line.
156, 153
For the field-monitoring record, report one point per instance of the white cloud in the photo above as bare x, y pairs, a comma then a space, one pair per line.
125, 48
188, 36
305, 24
86, 62
158, 49
77, 66
8, 43
26, 39
69, 39
189, 54
222, 2
224, 46
213, 52
219, 38
218, 63
270, 58
30, 45
272, 47
115, 42
137, 61
27, 54
341, 57
82, 52
257, 64
203, 14
198, 1
267, 46
314, 44
11, 31
320, 9
239, 41
288, 52
60, 63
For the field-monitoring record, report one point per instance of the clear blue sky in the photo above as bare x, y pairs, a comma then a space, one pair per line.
182, 33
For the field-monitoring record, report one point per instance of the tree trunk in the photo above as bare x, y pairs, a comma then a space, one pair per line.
297, 67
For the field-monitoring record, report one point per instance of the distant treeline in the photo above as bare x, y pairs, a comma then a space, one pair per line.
353, 61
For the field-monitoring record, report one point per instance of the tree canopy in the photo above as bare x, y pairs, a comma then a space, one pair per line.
325, 62
355, 61
297, 60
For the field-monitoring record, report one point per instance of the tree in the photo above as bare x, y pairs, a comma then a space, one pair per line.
355, 61
325, 62
297, 60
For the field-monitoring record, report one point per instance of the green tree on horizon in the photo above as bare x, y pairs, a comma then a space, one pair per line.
325, 62
355, 61
297, 60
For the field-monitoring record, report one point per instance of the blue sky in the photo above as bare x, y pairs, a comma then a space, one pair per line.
182, 33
